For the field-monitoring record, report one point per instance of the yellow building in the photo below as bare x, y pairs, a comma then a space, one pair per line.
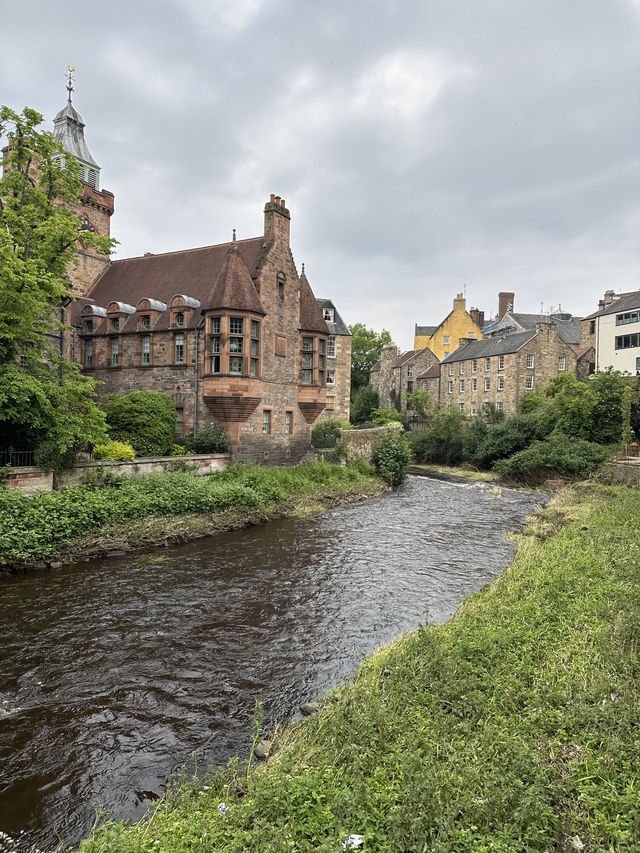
444, 339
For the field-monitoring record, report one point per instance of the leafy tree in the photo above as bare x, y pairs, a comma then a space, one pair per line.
366, 346
365, 400
443, 439
608, 386
325, 433
144, 419
392, 456
422, 404
44, 400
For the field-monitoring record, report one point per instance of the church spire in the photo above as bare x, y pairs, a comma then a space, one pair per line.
68, 129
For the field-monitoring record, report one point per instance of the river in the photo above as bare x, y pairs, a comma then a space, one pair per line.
114, 673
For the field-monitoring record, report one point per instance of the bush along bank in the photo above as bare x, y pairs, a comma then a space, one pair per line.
510, 728
175, 506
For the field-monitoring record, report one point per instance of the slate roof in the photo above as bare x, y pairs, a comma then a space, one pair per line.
404, 357
628, 302
311, 319
234, 287
568, 327
338, 326
432, 373
491, 346
425, 330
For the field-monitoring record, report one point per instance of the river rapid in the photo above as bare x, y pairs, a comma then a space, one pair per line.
116, 672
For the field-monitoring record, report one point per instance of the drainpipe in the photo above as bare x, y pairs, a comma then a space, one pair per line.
195, 381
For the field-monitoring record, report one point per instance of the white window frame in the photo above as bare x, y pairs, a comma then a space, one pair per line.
530, 362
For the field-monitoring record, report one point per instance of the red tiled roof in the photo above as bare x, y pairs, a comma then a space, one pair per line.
233, 287
432, 373
404, 357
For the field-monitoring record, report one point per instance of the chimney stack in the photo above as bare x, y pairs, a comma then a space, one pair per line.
505, 303
477, 316
276, 220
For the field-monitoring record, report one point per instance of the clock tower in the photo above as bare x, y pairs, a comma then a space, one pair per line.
95, 205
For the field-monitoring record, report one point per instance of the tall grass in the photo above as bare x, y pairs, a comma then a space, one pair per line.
511, 728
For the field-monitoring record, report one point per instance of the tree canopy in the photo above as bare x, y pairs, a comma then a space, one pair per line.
366, 346
45, 402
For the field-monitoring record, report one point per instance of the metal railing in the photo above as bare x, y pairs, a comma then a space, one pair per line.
16, 458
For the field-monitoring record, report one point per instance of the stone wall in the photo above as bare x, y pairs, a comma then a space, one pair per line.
30, 480
201, 466
361, 443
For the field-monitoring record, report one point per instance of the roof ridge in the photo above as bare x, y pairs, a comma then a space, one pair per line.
185, 251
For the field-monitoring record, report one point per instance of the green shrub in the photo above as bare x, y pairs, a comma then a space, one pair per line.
391, 457
325, 433
209, 439
178, 450
382, 417
442, 441
114, 450
144, 419
50, 457
558, 455
484, 444
364, 401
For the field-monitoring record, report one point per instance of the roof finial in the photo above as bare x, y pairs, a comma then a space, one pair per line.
70, 71
303, 268
234, 235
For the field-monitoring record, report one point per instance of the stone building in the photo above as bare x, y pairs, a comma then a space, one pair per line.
394, 376
459, 323
230, 332
508, 321
500, 370
338, 362
614, 332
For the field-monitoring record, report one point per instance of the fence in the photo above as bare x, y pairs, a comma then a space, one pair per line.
16, 458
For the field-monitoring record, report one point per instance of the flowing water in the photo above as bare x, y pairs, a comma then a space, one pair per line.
116, 672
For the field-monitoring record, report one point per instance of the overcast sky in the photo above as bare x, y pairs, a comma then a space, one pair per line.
423, 147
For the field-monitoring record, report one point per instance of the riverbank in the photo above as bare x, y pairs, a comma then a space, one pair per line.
510, 728
79, 523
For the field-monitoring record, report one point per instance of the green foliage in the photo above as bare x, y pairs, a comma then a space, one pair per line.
421, 403
115, 450
608, 386
382, 417
209, 439
144, 419
443, 439
391, 457
44, 401
325, 433
364, 401
627, 399
485, 443
178, 450
556, 455
366, 346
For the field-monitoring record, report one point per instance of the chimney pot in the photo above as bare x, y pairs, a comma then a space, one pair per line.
282, 203
277, 199
273, 198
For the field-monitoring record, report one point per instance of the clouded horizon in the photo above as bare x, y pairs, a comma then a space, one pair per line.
423, 148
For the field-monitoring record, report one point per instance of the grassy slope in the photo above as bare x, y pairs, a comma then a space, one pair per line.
511, 728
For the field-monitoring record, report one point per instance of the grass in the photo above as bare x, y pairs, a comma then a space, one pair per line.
511, 728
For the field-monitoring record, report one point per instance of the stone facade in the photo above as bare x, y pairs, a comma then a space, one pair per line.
395, 375
501, 370
338, 363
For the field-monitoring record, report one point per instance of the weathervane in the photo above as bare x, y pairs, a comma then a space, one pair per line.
70, 71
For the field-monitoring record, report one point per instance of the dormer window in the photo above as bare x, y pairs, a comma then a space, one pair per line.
115, 324
327, 313
179, 320
88, 327
145, 321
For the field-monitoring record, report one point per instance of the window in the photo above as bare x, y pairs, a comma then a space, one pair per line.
529, 361
500, 383
236, 325
470, 335
88, 354
115, 352
255, 329
253, 367
307, 359
474, 365
499, 406
474, 411
235, 365
179, 421
179, 319
266, 421
88, 327
450, 388
320, 361
529, 383
145, 321
461, 406
331, 403
562, 363
321, 378
215, 325
307, 377
474, 384
410, 372
500, 362
410, 387
487, 384
461, 368
628, 317
145, 341
254, 347
281, 280
288, 422
461, 385
178, 348
215, 343
235, 344
487, 364
592, 327
331, 377
307, 344
321, 345
115, 324
327, 313
331, 346
628, 341
215, 364
445, 340
450, 370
